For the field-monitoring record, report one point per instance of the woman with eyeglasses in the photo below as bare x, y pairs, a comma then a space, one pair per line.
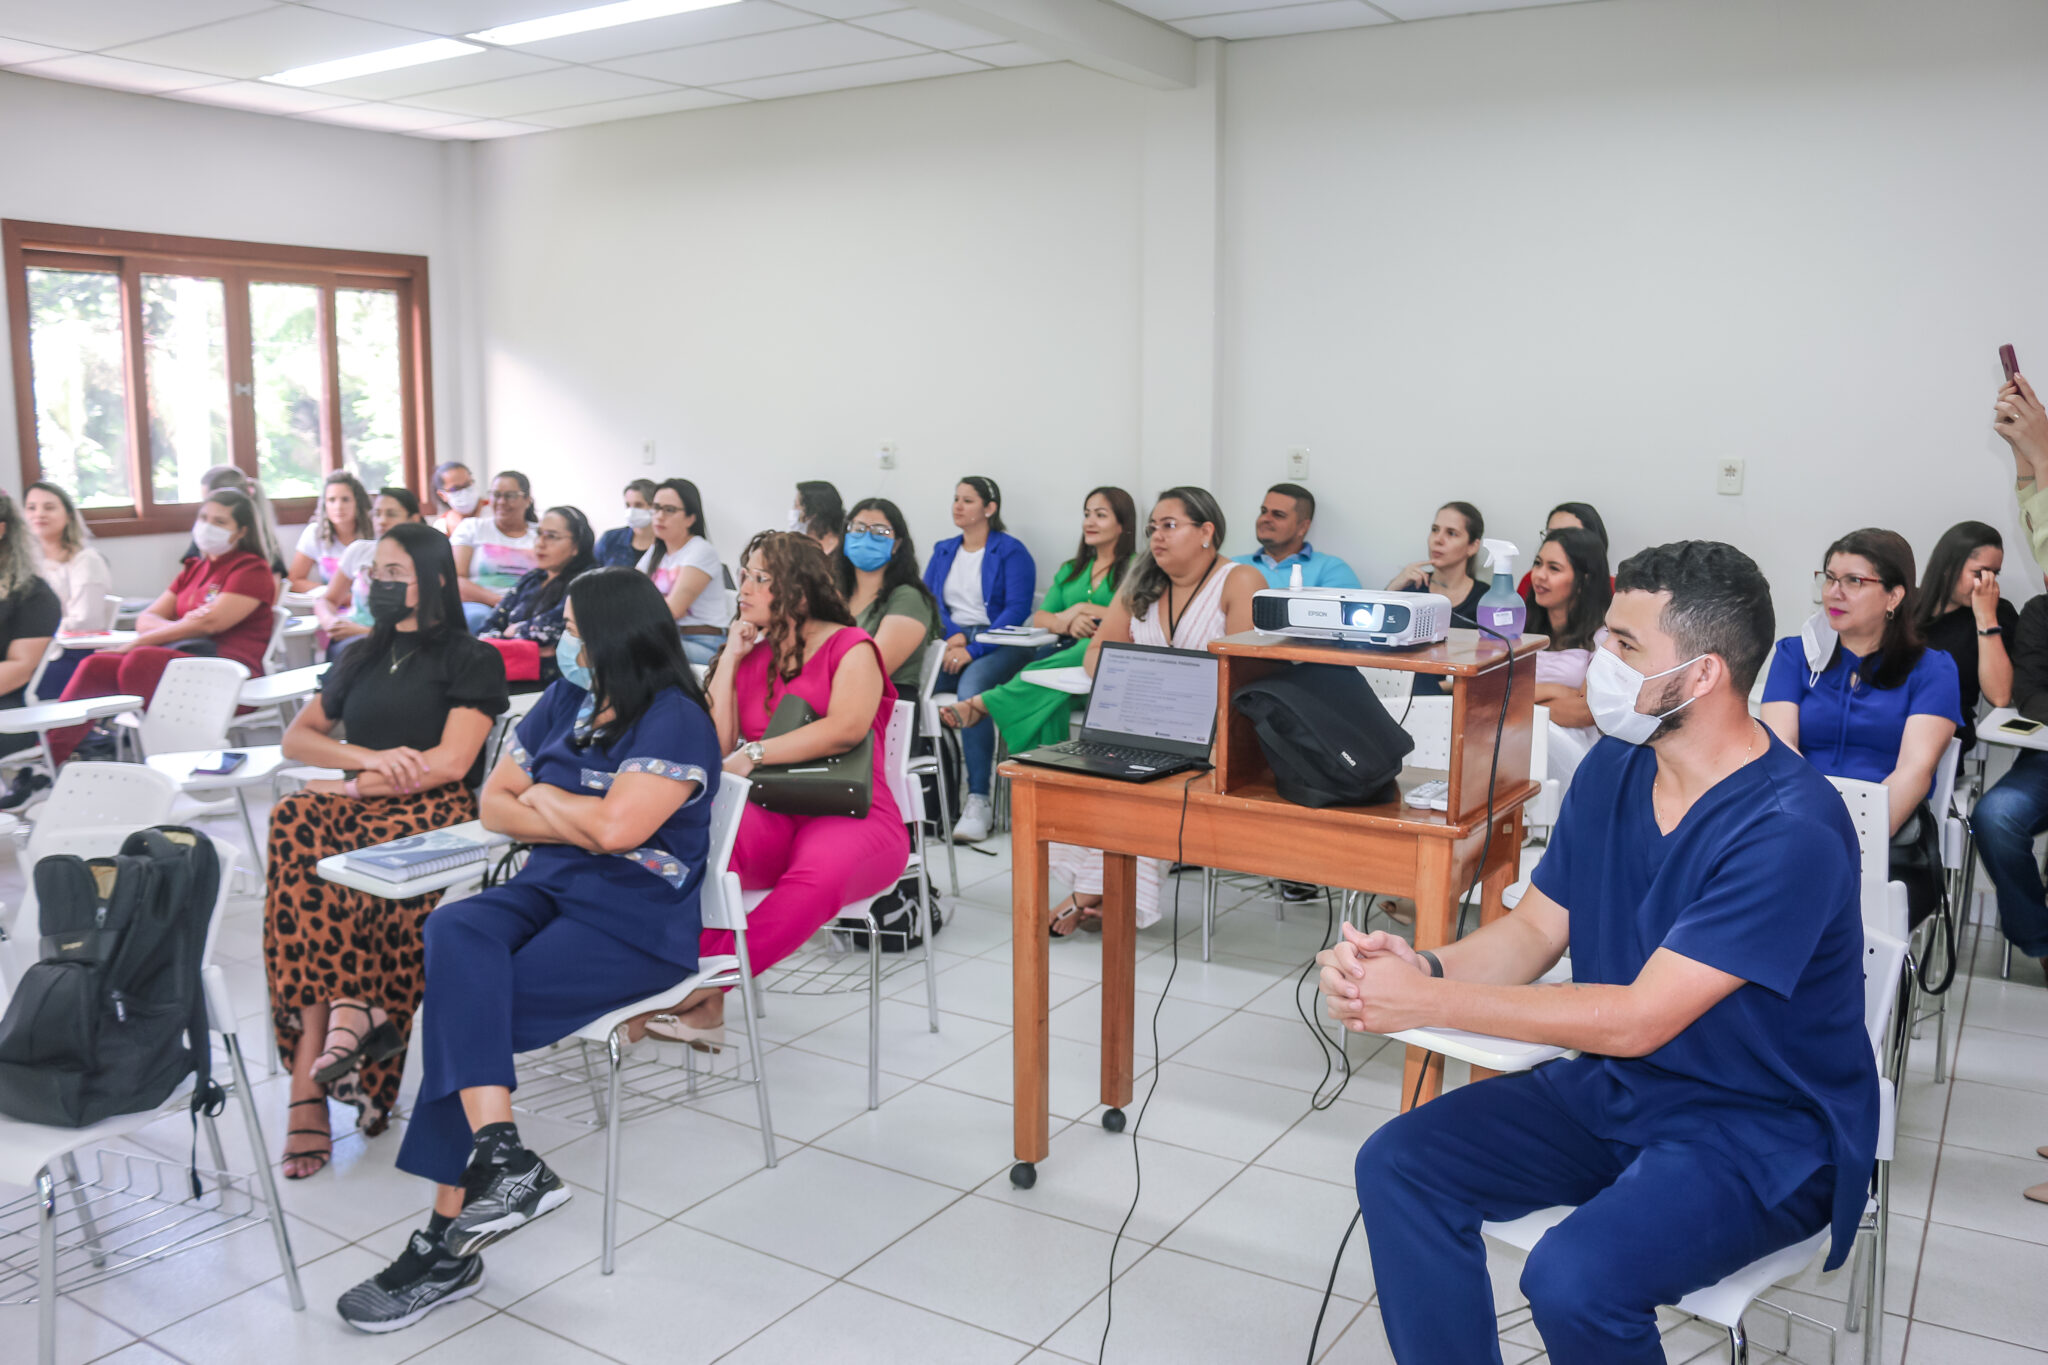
492, 553
875, 564
343, 520
344, 607
622, 546
416, 698
535, 608
684, 564
1860, 694
1181, 594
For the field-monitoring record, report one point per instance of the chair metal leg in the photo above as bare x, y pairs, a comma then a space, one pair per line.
1880, 1248
85, 1218
257, 852
1738, 1344
875, 1014
46, 1268
612, 1125
1208, 909
264, 1171
756, 1049
590, 1079
924, 897
946, 809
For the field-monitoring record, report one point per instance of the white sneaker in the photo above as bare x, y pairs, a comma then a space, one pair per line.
975, 818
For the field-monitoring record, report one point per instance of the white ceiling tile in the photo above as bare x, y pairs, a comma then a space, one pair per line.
262, 98
1271, 23
933, 30
1438, 9
450, 17
1173, 11
480, 131
13, 53
108, 23
677, 30
549, 90
674, 102
1007, 54
845, 9
273, 41
116, 74
847, 77
390, 118
473, 69
767, 54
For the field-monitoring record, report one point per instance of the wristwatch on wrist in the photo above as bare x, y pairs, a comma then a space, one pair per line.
755, 751
1436, 968
1991, 630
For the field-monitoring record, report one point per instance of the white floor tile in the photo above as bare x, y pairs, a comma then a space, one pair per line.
82, 1335
140, 1353
1900, 1266
668, 1161
1323, 1144
2011, 1006
1276, 1051
1249, 929
1225, 1115
1180, 1021
148, 1300
1075, 1071
792, 1016
980, 987
1931, 1345
1999, 1058
1996, 1118
1088, 1178
1285, 1226
931, 1132
809, 1094
1982, 1191
908, 1045
1981, 1284
972, 930
501, 1340
1232, 982
849, 1326
572, 1236
777, 1211
1363, 1343
1171, 1309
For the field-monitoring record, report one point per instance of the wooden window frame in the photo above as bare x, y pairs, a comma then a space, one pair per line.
130, 255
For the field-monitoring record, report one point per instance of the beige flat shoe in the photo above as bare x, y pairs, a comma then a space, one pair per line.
2041, 1152
2038, 1193
676, 1031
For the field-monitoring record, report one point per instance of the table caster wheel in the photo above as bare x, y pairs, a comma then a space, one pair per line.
1113, 1120
1024, 1175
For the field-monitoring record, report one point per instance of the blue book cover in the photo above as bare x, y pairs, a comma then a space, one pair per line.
420, 854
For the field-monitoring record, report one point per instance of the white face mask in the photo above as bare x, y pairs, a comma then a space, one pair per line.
1612, 688
212, 540
462, 500
796, 520
639, 518
1818, 638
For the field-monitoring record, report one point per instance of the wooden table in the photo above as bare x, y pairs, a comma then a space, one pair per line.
1233, 818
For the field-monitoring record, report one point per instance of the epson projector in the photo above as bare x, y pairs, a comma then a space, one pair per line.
1353, 616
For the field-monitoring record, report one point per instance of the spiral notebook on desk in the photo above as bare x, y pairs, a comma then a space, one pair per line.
419, 855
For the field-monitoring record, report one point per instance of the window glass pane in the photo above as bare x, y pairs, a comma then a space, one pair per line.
284, 322
372, 400
185, 351
81, 390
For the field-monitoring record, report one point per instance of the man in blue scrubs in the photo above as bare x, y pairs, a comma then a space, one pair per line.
1704, 879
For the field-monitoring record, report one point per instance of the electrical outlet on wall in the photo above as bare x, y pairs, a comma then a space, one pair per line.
1297, 463
885, 455
647, 452
1728, 477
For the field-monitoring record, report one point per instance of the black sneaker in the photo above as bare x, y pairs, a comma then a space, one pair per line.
28, 786
1294, 893
98, 746
503, 1197
426, 1276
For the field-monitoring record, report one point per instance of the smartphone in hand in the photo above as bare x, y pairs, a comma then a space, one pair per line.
2008, 360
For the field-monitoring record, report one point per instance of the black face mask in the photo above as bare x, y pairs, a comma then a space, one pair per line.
387, 602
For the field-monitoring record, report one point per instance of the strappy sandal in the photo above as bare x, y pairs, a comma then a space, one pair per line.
381, 1043
670, 1024
1077, 918
963, 715
321, 1157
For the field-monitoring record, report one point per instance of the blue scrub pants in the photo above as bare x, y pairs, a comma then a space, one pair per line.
476, 613
507, 973
2006, 819
978, 742
1653, 1224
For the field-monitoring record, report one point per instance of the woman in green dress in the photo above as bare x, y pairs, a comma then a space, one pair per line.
1025, 714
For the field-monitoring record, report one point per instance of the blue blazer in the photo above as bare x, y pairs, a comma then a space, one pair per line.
1008, 578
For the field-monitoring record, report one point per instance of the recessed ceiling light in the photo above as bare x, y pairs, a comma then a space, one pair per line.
584, 20
370, 63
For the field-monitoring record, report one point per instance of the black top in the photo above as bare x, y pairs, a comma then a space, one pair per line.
1464, 616
32, 613
1955, 634
383, 707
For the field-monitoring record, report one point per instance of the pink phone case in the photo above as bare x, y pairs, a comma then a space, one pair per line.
2009, 360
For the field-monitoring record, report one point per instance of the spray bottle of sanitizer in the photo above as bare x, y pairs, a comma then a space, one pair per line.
1502, 610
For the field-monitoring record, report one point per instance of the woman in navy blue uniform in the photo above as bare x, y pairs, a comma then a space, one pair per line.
609, 783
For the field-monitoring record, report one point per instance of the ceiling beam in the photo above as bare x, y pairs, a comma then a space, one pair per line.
1092, 33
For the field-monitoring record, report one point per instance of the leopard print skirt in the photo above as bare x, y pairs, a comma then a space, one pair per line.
323, 941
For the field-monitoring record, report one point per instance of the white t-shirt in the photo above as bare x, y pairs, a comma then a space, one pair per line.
82, 584
712, 606
326, 557
964, 602
354, 565
500, 560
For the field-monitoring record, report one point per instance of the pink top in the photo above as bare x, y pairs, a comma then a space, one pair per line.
755, 695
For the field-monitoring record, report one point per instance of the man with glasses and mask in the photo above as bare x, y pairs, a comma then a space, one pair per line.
1704, 880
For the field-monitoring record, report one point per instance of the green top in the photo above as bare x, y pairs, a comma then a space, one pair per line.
1071, 585
1029, 715
904, 600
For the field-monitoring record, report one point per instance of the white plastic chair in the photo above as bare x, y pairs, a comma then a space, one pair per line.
194, 702
722, 906
931, 727
1884, 900
29, 1152
1393, 686
816, 971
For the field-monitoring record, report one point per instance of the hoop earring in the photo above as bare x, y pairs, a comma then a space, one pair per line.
1890, 612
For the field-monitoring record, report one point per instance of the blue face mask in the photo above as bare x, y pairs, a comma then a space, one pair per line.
569, 658
868, 551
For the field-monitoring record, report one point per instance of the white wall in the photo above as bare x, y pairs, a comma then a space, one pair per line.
1587, 252
97, 158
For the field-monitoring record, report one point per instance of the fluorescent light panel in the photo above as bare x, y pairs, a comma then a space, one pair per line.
584, 20
370, 63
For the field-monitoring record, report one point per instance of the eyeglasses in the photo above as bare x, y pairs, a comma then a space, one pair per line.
1166, 527
1849, 582
879, 530
668, 509
390, 573
552, 536
757, 578
505, 495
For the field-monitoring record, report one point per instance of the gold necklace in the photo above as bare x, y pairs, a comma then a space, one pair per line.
397, 658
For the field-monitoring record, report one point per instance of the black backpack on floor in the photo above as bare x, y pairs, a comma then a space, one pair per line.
1325, 734
113, 1017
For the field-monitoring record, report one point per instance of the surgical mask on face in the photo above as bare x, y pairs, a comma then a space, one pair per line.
462, 500
796, 520
1817, 637
211, 539
639, 518
569, 659
1612, 688
868, 551
386, 601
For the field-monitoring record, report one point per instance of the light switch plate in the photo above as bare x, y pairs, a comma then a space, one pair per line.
1297, 463
1728, 477
647, 452
885, 455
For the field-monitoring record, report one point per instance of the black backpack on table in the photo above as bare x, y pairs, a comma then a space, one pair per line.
1326, 735
113, 1018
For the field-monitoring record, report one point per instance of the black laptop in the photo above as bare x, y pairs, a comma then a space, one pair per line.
1152, 712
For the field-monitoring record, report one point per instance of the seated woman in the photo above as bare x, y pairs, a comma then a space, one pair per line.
75, 571
534, 609
818, 513
227, 476
684, 564
609, 783
29, 616
2009, 817
1569, 591
344, 606
1025, 714
1182, 593
343, 521
1860, 694
1452, 570
875, 566
219, 604
622, 546
1566, 514
492, 553
982, 578
456, 494
1961, 614
416, 699
794, 637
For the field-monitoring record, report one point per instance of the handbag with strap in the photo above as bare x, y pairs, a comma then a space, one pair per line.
838, 784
